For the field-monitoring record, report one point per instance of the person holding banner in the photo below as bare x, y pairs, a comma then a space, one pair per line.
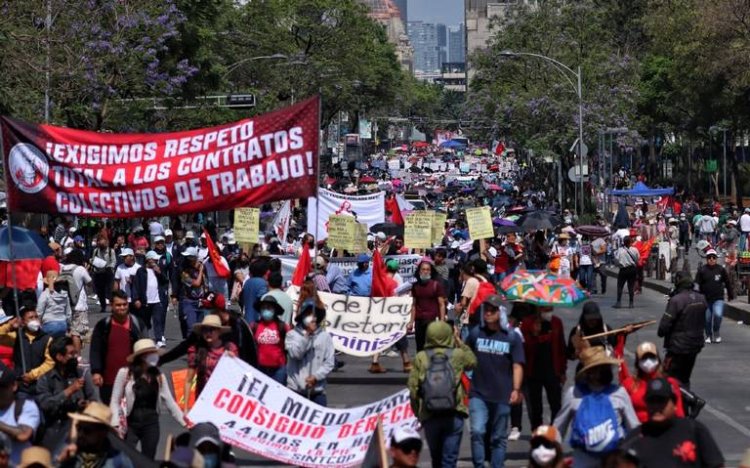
310, 354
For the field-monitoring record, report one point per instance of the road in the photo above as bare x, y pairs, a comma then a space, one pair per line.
721, 377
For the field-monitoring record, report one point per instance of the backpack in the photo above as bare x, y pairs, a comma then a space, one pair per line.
438, 390
484, 290
595, 428
74, 292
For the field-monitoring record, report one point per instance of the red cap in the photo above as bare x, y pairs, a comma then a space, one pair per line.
50, 264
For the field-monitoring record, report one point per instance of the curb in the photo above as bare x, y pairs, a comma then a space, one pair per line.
731, 311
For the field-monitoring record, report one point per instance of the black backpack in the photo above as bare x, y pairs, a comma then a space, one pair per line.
439, 386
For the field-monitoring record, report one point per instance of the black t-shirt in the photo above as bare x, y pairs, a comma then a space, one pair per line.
543, 365
684, 443
496, 352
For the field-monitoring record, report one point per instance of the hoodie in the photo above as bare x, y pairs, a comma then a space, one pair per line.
54, 306
308, 355
440, 338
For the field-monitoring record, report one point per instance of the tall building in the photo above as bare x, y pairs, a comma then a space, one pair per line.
424, 39
478, 16
456, 44
442, 43
389, 14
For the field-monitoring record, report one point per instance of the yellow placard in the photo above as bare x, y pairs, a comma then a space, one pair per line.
360, 239
341, 232
438, 227
418, 229
480, 223
246, 225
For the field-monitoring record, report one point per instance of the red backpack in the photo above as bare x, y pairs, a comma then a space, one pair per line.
484, 290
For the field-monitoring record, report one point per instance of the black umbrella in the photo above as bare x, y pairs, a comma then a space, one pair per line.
538, 220
390, 229
592, 230
507, 229
415, 169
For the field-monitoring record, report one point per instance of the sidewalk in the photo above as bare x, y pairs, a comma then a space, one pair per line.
738, 309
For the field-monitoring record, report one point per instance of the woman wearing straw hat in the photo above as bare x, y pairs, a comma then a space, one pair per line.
142, 386
53, 306
205, 354
598, 411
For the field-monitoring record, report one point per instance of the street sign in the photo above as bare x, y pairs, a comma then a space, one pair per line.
241, 100
574, 148
574, 173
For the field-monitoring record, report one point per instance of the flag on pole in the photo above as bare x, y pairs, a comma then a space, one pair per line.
303, 267
222, 270
498, 148
281, 222
391, 204
382, 284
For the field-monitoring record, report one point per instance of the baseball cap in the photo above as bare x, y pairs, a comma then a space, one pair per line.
72, 229
78, 239
493, 300
320, 261
205, 432
363, 258
659, 389
710, 252
190, 235
407, 439
380, 235
159, 239
548, 433
151, 255
190, 252
168, 232
646, 348
126, 251
392, 264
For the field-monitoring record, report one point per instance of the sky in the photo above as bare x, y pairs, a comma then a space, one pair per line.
449, 12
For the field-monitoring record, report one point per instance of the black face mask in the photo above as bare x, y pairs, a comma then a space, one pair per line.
71, 367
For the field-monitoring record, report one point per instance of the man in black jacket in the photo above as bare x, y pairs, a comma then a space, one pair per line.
681, 327
150, 287
111, 343
712, 278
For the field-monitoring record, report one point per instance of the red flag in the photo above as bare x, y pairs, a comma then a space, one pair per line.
499, 148
382, 284
304, 265
213, 253
391, 204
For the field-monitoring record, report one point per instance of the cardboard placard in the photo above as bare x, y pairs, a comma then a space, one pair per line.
418, 230
480, 223
341, 232
246, 225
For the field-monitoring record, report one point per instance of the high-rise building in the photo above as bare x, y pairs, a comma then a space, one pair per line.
442, 43
456, 44
424, 39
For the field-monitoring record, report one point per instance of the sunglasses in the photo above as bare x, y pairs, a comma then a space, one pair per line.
410, 446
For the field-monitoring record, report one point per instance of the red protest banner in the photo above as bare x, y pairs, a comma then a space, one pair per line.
246, 163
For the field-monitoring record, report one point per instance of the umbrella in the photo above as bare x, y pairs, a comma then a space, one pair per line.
503, 222
542, 289
494, 187
592, 230
27, 244
538, 220
507, 229
389, 229
367, 180
420, 144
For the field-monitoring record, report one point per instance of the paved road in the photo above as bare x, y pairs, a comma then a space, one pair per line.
721, 377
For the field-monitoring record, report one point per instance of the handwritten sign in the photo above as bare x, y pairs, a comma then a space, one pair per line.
480, 223
360, 238
341, 232
418, 230
438, 227
246, 225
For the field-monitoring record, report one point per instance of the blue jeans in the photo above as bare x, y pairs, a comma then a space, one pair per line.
158, 318
443, 434
192, 313
496, 414
276, 373
714, 314
586, 277
55, 329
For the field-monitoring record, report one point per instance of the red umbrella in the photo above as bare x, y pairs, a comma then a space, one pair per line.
367, 180
420, 144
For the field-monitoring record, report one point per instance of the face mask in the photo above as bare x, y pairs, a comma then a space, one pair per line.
211, 460
307, 320
424, 278
547, 316
267, 314
71, 367
543, 455
151, 360
34, 326
648, 365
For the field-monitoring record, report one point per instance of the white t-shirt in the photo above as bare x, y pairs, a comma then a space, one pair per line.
29, 417
152, 287
745, 222
124, 274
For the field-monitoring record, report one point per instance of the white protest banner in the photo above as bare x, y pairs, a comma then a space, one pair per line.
370, 210
255, 413
280, 222
407, 265
363, 326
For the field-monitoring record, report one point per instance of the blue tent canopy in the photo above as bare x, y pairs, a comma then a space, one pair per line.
642, 190
452, 144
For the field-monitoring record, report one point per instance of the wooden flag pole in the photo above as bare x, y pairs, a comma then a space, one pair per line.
634, 326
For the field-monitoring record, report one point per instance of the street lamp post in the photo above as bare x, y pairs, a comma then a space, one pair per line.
577, 86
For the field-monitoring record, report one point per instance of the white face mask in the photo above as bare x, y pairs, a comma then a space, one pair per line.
34, 326
152, 359
543, 455
307, 320
648, 365
547, 316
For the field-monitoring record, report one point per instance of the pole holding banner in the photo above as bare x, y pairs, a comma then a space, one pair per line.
317, 175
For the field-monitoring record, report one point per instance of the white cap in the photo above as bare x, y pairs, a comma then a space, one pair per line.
67, 250
203, 236
231, 240
159, 239
168, 232
72, 229
190, 252
151, 255
404, 433
381, 235
711, 252
126, 251
190, 235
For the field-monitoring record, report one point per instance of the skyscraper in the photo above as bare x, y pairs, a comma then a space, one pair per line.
442, 43
456, 44
424, 40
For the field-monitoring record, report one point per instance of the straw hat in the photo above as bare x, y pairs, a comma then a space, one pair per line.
36, 456
95, 412
143, 346
210, 321
595, 356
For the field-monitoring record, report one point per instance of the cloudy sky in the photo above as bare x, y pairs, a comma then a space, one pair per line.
448, 12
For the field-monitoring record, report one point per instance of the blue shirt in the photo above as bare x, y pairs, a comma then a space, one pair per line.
252, 291
336, 280
496, 352
360, 283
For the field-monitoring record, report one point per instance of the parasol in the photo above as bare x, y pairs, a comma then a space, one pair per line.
503, 222
542, 289
592, 230
538, 220
494, 187
389, 229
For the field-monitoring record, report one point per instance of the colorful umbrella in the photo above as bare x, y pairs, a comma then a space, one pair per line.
542, 288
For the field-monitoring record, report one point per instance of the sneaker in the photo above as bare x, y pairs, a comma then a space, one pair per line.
161, 343
717, 339
708, 340
515, 434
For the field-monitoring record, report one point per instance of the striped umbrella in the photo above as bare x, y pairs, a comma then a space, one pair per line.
542, 288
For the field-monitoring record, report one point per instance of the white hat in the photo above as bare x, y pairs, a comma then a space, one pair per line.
190, 235
72, 229
159, 239
126, 251
190, 252
731, 221
381, 235
203, 236
151, 255
231, 240
404, 433
168, 232
711, 252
